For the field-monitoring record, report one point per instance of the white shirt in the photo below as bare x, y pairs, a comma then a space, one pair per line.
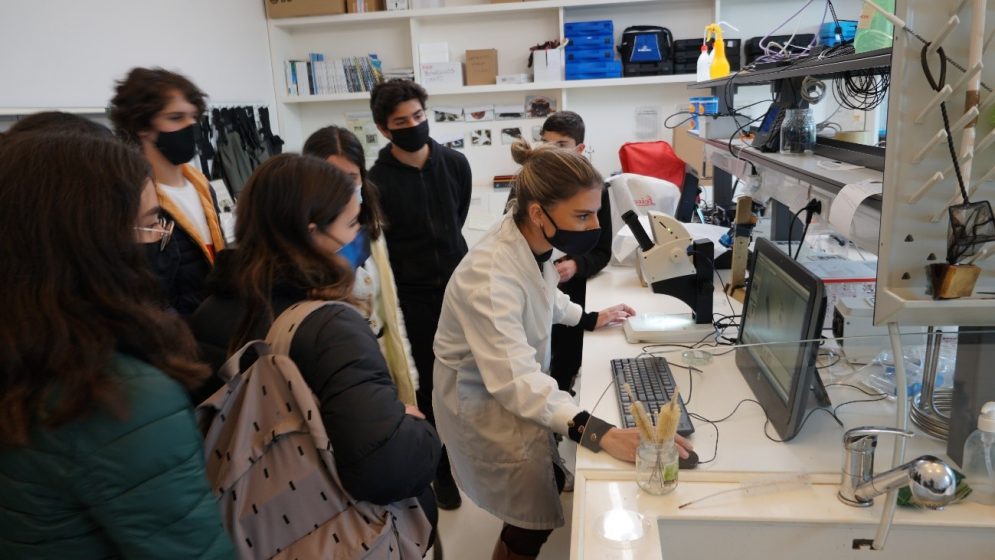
188, 200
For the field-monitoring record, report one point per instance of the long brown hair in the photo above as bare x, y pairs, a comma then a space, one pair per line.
76, 288
337, 141
549, 174
285, 194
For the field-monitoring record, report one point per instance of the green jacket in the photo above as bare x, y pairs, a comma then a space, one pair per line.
101, 487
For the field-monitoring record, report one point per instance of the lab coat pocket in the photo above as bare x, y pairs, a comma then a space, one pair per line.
488, 432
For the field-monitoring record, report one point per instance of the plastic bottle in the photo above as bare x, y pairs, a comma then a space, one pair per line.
874, 31
979, 458
704, 64
720, 64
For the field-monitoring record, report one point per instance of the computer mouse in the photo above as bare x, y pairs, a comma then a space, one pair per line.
689, 463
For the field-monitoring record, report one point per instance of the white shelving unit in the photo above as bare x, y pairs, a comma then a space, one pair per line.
608, 105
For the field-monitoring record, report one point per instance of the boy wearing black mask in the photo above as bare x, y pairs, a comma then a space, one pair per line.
158, 110
425, 195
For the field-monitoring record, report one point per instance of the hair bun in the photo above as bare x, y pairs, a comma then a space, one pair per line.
521, 151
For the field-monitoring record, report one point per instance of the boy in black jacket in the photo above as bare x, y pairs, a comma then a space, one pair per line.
425, 195
566, 130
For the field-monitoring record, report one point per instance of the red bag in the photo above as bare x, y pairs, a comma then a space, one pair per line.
654, 159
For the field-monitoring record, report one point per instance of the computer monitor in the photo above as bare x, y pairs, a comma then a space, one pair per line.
780, 330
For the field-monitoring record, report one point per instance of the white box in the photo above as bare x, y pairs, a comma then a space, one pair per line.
425, 4
433, 52
547, 65
395, 5
444, 74
513, 79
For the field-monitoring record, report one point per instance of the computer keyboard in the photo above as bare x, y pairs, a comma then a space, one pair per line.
652, 384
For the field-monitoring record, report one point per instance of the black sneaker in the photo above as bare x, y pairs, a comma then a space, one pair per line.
447, 494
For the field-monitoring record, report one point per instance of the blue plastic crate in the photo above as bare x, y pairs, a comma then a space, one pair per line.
589, 55
591, 42
594, 70
582, 28
827, 32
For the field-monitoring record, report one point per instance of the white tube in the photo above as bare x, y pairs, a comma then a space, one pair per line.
967, 117
971, 73
940, 97
937, 41
937, 138
930, 183
895, 20
902, 423
975, 47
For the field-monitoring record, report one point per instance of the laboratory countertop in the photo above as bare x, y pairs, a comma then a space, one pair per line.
743, 452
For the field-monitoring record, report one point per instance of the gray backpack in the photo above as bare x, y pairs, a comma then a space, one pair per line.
272, 468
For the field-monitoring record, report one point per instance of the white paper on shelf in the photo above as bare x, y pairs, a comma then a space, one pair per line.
433, 52
845, 205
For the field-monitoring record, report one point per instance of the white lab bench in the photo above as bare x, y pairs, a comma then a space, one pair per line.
808, 522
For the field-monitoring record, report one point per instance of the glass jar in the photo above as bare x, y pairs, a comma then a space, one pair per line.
656, 467
798, 132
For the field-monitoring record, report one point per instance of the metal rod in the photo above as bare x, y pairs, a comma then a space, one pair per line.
902, 423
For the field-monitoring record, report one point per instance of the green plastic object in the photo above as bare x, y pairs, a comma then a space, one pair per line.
874, 31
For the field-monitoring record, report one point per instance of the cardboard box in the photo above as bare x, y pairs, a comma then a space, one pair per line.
481, 67
690, 148
276, 9
547, 65
441, 74
364, 6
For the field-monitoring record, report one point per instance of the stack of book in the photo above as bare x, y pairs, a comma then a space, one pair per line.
320, 75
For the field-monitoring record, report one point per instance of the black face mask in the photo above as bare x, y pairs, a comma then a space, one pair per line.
411, 139
180, 146
571, 242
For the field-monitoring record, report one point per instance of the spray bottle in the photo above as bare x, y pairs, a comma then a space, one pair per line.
979, 456
720, 64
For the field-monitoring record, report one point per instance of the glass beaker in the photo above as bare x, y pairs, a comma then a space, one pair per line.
798, 132
656, 467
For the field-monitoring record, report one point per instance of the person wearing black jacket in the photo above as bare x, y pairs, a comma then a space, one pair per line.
157, 110
565, 129
294, 216
425, 195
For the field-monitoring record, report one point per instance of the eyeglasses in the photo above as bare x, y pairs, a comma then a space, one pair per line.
163, 227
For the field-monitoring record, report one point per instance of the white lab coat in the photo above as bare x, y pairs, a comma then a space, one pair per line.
495, 406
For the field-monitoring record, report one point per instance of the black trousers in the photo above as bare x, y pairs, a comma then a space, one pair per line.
422, 309
567, 344
528, 542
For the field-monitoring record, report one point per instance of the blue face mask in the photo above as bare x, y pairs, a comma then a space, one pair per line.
357, 251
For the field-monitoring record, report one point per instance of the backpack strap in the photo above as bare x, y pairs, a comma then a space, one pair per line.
281, 333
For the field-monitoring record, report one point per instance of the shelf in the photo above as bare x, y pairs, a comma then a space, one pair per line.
481, 9
506, 88
806, 67
18, 111
804, 168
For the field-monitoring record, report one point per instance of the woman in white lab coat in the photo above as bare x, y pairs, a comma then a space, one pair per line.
496, 407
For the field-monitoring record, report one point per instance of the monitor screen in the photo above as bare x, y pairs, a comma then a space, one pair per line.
782, 320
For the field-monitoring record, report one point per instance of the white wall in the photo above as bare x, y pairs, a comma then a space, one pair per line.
68, 53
